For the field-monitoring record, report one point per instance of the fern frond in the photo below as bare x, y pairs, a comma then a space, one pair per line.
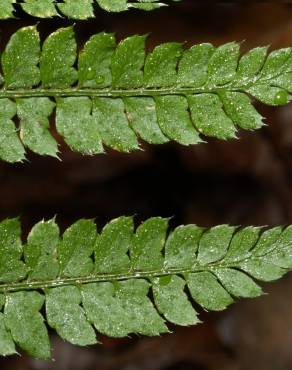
81, 9
125, 280
118, 93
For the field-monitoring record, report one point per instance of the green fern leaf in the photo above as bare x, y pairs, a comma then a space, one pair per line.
73, 9
126, 280
118, 93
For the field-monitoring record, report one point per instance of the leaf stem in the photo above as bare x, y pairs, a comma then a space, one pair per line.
96, 278
110, 93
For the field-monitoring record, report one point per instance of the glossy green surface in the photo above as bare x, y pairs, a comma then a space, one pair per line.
73, 9
124, 279
111, 95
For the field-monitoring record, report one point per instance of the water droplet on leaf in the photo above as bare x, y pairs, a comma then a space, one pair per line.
281, 98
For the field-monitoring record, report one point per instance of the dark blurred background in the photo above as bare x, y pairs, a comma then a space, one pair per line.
241, 182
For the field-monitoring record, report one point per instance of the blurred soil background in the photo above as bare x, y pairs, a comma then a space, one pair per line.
241, 182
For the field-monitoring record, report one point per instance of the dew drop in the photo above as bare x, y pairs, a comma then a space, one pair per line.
281, 98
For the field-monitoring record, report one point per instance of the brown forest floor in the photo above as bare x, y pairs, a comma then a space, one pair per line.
246, 181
